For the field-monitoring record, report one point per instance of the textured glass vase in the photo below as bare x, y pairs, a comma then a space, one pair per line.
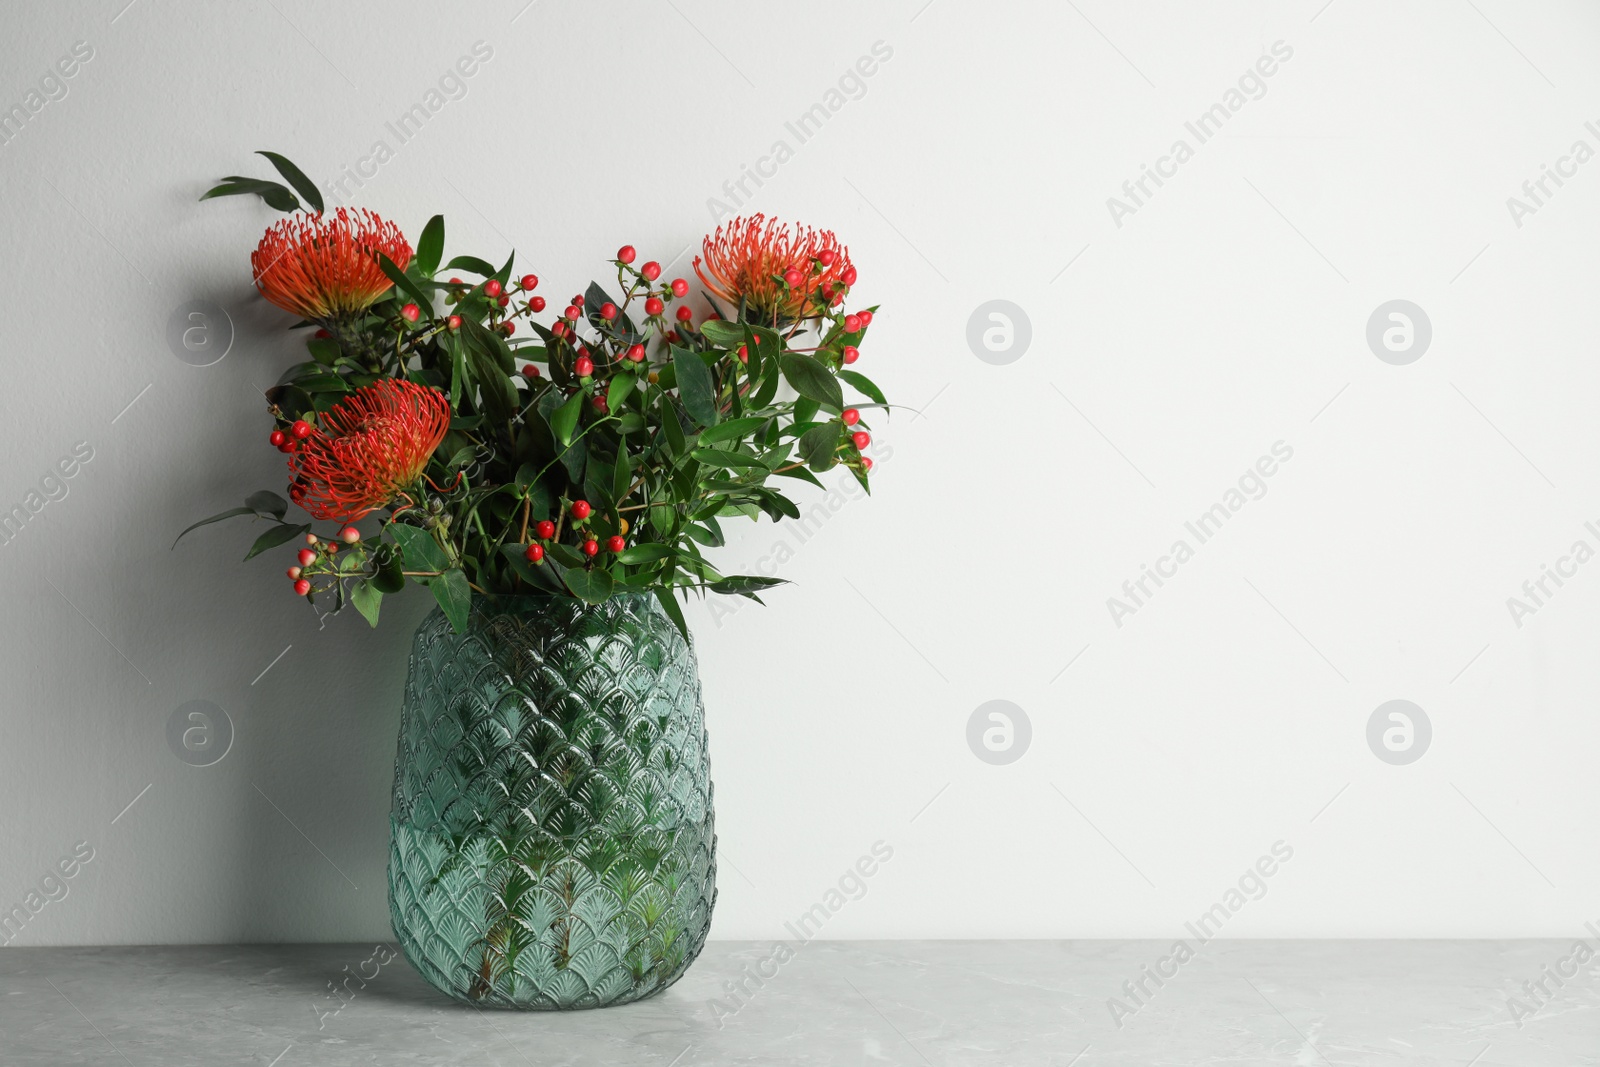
552, 841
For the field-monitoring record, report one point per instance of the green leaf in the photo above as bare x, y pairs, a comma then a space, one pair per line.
218, 517
565, 421
722, 334
276, 196
745, 584
863, 385
696, 387
430, 247
618, 391
592, 587
819, 444
390, 576
565, 555
368, 599
645, 553
400, 278
294, 176
422, 552
811, 379
731, 430
717, 457
669, 604
267, 503
454, 595
671, 428
275, 537
471, 263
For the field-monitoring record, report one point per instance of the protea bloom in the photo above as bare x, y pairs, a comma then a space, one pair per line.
746, 258
371, 447
323, 267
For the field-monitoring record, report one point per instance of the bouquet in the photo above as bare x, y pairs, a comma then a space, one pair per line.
454, 434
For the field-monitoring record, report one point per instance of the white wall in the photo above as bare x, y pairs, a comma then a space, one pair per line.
1227, 313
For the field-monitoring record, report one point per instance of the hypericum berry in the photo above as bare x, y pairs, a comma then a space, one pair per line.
302, 587
599, 404
615, 543
509, 327
680, 287
865, 317
591, 547
653, 306
301, 429
744, 353
411, 313
289, 447
581, 510
558, 328
849, 276
608, 311
306, 557
504, 300
577, 301
454, 322
851, 353
322, 335
583, 367
530, 371
277, 438
852, 323
792, 277
626, 253
457, 281
672, 338
492, 287
684, 314
537, 303
534, 553
311, 539
651, 271
861, 439
349, 535
293, 572
573, 311
530, 282
827, 257
851, 416
866, 463
636, 353
545, 529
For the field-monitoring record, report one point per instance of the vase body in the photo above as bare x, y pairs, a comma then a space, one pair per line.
552, 842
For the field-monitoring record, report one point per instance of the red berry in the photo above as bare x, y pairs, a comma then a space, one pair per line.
537, 303
323, 335
411, 313
866, 463
626, 253
509, 327
599, 404
827, 257
572, 311
849, 276
680, 287
302, 587
852, 323
530, 371
581, 509
861, 439
534, 553
577, 301
851, 416
608, 311
293, 572
349, 535
530, 282
615, 543
558, 328
672, 336
653, 306
454, 322
865, 317
636, 353
503, 301
277, 438
306, 557
744, 354
492, 287
651, 271
457, 281
591, 547
684, 314
583, 367
545, 529
792, 277
301, 429
289, 447
851, 353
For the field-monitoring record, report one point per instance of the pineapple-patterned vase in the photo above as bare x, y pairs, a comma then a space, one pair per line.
552, 843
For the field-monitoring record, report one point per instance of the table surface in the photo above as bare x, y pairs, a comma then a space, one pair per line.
919, 1003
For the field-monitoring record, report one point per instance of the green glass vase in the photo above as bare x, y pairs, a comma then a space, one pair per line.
552, 842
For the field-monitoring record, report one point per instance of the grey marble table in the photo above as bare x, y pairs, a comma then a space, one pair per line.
1009, 1003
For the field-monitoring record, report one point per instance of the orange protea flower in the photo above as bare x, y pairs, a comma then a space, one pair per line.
369, 449
322, 267
747, 258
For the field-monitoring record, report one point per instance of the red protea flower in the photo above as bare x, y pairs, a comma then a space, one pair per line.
746, 258
372, 446
322, 267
